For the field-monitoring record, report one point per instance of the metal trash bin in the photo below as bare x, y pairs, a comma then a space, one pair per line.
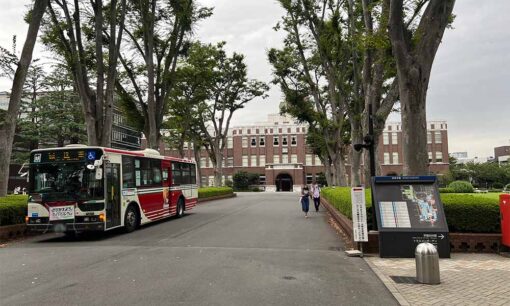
427, 264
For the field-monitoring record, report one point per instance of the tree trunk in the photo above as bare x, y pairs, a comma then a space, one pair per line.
8, 127
356, 137
414, 130
218, 168
196, 152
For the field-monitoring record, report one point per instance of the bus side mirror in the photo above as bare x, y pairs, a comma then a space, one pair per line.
99, 173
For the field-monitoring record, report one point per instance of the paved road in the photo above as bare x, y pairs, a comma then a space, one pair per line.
256, 249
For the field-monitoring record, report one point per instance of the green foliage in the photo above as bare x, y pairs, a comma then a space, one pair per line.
340, 198
243, 180
483, 175
229, 183
13, 209
461, 187
497, 185
208, 192
446, 190
321, 179
478, 213
471, 213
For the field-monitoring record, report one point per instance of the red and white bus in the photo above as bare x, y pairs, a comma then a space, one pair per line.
84, 188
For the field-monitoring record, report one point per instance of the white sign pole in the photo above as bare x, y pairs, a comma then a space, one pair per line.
359, 216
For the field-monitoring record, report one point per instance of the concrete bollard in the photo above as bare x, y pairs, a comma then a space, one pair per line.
427, 264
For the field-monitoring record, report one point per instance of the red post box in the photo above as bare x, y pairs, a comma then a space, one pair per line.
504, 207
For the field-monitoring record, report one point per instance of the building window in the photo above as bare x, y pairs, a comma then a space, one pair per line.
437, 137
429, 137
230, 162
262, 180
317, 161
293, 158
253, 142
386, 138
275, 141
230, 143
245, 161
203, 180
262, 161
293, 141
386, 158
439, 157
262, 141
308, 159
395, 158
309, 178
245, 142
430, 157
211, 180
253, 162
284, 140
276, 159
394, 138
203, 162
285, 159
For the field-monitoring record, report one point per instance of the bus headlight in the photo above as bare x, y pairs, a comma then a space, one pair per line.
101, 217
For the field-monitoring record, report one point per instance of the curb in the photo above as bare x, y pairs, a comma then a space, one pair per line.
387, 282
225, 196
8, 232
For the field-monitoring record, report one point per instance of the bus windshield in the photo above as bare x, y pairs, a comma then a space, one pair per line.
65, 181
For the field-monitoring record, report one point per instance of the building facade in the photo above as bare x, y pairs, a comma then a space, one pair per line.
502, 154
277, 151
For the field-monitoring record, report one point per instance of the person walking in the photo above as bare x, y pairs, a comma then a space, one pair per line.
305, 199
316, 194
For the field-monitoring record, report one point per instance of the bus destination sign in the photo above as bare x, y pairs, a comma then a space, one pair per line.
64, 156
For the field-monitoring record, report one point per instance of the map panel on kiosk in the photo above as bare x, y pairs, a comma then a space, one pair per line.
409, 211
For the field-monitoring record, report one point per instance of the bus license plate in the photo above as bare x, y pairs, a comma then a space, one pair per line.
62, 213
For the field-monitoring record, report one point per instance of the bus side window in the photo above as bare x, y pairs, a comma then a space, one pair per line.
128, 172
193, 173
176, 174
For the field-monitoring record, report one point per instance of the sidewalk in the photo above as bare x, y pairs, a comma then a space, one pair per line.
466, 279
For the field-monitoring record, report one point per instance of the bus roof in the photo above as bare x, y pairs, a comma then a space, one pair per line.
139, 153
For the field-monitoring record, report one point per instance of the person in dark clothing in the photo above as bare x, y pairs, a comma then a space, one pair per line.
305, 199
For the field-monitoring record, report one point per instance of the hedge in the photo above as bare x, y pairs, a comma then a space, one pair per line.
471, 213
461, 187
340, 198
208, 192
13, 209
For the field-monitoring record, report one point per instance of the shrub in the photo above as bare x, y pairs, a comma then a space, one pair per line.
229, 183
340, 198
13, 209
208, 192
241, 181
446, 190
475, 213
471, 213
497, 186
461, 187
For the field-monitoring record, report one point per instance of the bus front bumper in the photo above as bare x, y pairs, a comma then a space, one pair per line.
66, 227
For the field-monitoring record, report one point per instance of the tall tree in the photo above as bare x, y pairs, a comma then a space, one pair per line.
227, 89
414, 50
88, 35
157, 34
8, 126
315, 74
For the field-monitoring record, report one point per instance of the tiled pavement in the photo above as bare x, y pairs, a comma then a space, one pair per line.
466, 279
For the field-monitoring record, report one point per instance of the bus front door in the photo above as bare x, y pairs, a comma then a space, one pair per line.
112, 195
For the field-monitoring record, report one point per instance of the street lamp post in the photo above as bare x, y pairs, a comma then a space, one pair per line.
368, 144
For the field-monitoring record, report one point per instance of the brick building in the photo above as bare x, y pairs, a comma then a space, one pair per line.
502, 154
277, 151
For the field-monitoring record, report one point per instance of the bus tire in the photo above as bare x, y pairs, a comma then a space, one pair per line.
131, 219
180, 208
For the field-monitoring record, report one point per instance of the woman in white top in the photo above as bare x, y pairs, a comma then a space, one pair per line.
316, 193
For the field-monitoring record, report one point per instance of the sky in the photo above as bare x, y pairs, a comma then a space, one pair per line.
469, 85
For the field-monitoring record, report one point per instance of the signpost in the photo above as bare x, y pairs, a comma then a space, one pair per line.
409, 211
359, 219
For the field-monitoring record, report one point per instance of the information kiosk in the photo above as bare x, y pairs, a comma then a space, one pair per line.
409, 212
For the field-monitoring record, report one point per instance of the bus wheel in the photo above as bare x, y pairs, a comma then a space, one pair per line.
180, 208
131, 219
